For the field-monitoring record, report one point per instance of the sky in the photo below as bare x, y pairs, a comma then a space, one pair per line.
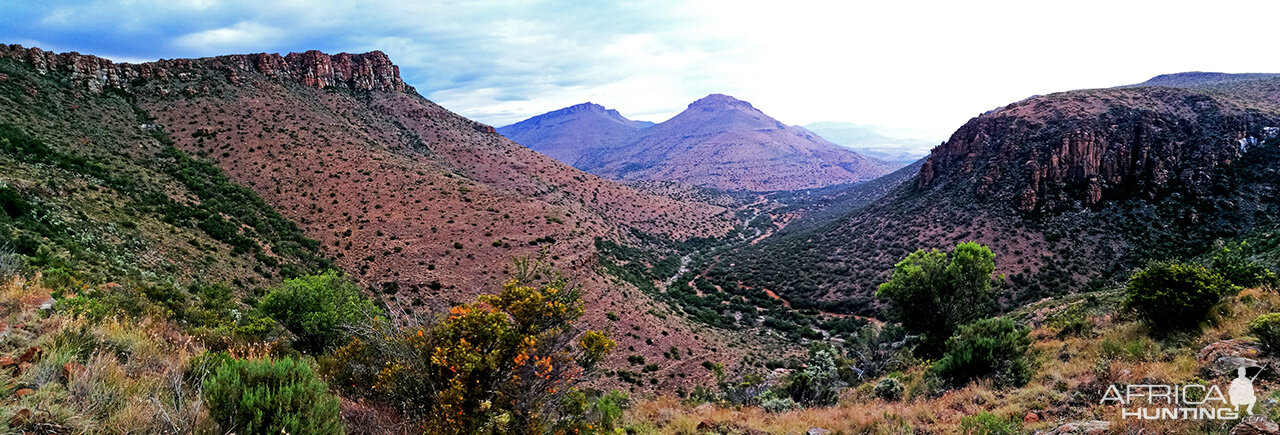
921, 67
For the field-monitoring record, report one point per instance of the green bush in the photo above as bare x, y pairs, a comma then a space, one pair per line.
1171, 297
315, 308
282, 396
889, 389
772, 401
819, 383
993, 347
984, 423
1232, 262
933, 292
1267, 328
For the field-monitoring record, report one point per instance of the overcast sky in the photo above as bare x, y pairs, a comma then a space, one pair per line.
928, 66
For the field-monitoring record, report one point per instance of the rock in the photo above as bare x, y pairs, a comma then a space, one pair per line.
817, 431
1237, 347
1256, 424
1031, 417
705, 407
23, 392
6, 362
72, 369
20, 418
1227, 365
368, 71
706, 425
1091, 427
31, 355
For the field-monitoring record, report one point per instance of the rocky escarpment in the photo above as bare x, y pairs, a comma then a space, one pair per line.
1080, 148
367, 71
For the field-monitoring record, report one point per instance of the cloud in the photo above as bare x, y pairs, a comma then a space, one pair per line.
925, 65
239, 37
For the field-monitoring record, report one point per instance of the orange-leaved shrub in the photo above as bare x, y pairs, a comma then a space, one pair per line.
501, 364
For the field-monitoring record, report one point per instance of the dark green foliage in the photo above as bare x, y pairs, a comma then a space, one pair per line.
282, 396
994, 347
933, 292
889, 389
1171, 296
1233, 263
316, 307
1267, 328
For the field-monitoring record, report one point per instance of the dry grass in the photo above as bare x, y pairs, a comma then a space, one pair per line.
112, 376
1071, 374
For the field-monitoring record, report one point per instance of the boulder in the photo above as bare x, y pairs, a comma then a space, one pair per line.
817, 431
23, 392
1235, 348
1227, 365
1031, 417
1256, 424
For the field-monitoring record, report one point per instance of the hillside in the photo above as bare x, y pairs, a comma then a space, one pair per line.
1076, 188
569, 133
423, 207
718, 142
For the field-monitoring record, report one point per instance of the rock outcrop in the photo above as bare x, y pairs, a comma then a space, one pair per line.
1081, 147
371, 71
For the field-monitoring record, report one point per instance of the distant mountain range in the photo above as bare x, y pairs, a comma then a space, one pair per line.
876, 142
719, 142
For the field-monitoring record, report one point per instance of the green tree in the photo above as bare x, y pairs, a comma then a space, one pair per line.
1171, 297
932, 293
995, 347
1233, 263
315, 307
819, 383
281, 396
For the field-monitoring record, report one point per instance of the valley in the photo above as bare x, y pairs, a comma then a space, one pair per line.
718, 272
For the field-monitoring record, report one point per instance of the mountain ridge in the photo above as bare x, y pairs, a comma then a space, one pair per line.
718, 141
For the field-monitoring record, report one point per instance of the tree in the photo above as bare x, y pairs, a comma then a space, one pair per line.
281, 396
1171, 297
1233, 263
932, 293
315, 307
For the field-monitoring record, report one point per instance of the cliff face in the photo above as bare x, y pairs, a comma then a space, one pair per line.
367, 71
1080, 148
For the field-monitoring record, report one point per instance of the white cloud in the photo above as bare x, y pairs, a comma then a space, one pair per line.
241, 37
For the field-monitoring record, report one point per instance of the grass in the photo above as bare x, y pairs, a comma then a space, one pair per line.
109, 376
1071, 371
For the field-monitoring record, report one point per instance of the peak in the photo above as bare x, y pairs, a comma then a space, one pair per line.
584, 107
365, 71
719, 100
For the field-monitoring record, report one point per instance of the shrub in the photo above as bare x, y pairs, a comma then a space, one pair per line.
315, 308
993, 347
819, 383
771, 401
889, 389
281, 396
933, 292
984, 423
1170, 296
503, 364
1232, 262
1267, 328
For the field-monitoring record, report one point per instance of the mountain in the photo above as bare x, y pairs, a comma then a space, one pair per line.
719, 142
421, 206
1070, 190
1197, 78
873, 141
566, 134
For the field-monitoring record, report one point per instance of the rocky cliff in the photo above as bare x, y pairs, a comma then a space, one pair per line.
367, 71
1079, 148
